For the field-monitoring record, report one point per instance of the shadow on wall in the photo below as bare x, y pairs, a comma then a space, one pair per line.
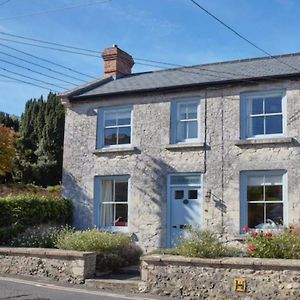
152, 184
83, 208
219, 203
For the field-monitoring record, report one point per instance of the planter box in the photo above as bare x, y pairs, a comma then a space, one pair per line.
223, 278
73, 266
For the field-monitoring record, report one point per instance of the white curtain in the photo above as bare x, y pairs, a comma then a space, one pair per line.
106, 218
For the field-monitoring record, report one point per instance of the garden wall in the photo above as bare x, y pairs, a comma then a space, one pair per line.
194, 278
57, 264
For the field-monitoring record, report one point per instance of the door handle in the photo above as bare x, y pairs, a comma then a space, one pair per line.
174, 226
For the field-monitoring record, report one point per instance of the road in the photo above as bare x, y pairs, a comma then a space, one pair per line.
20, 289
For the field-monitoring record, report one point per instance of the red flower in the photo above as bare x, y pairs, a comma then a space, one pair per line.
251, 248
246, 228
253, 233
268, 235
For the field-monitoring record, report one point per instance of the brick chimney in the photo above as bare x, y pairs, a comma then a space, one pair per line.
117, 62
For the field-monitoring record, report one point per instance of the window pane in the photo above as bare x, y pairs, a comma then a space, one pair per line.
273, 192
255, 193
124, 135
182, 111
121, 191
124, 117
273, 180
181, 131
273, 105
110, 118
193, 194
179, 195
110, 136
255, 214
275, 212
186, 180
121, 215
257, 125
192, 111
255, 180
273, 124
192, 129
257, 106
107, 215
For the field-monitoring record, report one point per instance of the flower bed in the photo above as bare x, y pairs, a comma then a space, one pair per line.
270, 244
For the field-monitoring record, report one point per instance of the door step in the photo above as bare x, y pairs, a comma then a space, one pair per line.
127, 279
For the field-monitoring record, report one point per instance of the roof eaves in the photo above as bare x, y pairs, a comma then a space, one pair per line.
85, 87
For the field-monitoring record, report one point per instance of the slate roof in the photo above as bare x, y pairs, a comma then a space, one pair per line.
207, 74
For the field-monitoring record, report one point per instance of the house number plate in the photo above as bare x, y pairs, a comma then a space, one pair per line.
240, 285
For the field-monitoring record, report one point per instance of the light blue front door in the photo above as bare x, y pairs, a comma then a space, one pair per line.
185, 205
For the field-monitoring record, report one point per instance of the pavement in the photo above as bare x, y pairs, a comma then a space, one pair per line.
20, 288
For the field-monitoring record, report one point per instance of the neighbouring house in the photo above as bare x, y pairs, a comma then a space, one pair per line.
213, 145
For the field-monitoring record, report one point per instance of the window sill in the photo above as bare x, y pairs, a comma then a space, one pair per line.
264, 141
115, 229
115, 150
186, 146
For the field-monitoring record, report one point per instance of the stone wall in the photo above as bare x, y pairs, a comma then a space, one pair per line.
56, 264
148, 165
199, 278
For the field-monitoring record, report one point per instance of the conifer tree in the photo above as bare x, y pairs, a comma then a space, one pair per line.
40, 146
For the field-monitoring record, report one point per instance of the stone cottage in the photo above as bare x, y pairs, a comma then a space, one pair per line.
214, 145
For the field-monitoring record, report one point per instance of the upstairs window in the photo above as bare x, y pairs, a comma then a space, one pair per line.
114, 127
186, 121
262, 115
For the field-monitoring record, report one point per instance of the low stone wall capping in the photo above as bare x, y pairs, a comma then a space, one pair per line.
201, 278
73, 266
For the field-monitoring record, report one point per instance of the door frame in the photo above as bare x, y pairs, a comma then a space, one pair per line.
169, 198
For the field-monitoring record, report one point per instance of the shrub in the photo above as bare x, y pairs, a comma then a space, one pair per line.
17, 213
114, 249
93, 240
285, 244
203, 243
43, 236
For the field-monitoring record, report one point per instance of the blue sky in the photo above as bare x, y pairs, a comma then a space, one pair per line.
174, 31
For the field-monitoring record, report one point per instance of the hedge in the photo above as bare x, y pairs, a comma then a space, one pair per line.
20, 212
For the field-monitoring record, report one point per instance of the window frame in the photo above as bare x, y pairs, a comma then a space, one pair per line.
97, 202
174, 119
101, 126
245, 100
243, 194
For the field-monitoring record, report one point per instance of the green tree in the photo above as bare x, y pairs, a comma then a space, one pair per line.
40, 146
9, 121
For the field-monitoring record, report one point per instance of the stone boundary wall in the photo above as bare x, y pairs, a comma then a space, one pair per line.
200, 278
72, 266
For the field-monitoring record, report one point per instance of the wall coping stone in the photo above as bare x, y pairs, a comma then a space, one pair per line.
44, 252
225, 262
265, 141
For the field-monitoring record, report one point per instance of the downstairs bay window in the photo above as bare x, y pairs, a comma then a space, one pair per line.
263, 199
111, 202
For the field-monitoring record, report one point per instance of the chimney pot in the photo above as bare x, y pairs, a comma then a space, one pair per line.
117, 62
